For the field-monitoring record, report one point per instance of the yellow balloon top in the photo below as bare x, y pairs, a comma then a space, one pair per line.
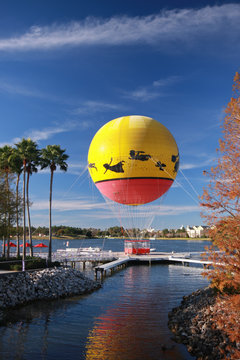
133, 147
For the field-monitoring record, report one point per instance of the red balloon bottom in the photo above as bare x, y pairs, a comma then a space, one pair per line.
136, 191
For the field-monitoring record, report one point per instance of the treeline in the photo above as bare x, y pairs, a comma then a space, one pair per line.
166, 233
61, 231
114, 231
24, 159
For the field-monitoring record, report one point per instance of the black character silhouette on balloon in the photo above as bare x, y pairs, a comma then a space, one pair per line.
139, 155
92, 166
118, 168
160, 165
175, 159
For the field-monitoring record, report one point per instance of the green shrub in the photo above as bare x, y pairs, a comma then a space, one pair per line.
16, 267
30, 263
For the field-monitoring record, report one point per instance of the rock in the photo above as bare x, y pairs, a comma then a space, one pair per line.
24, 287
192, 324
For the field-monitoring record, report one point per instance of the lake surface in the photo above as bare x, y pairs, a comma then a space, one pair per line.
124, 320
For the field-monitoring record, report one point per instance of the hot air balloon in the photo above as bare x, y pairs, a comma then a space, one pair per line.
133, 160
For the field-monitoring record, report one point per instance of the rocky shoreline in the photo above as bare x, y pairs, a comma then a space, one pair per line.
23, 287
192, 324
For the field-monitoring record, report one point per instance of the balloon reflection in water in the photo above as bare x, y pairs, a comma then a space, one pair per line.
131, 328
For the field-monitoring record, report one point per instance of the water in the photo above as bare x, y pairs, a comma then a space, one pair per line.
126, 319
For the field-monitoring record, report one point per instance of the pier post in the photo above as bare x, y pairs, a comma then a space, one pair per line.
96, 271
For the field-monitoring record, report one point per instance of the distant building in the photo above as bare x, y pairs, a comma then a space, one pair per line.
150, 230
197, 231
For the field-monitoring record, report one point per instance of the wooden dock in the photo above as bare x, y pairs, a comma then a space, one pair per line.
74, 256
167, 258
174, 259
105, 262
113, 265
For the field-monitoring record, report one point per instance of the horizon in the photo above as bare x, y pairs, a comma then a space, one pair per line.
69, 68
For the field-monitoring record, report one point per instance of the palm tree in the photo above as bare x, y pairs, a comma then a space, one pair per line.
17, 168
3, 210
31, 168
5, 166
29, 154
53, 156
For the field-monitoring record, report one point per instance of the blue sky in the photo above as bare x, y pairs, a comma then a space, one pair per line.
68, 67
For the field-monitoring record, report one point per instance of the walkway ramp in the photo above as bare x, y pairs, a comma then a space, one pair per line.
119, 263
189, 261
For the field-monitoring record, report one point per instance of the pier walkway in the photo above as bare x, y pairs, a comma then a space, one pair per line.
157, 257
120, 263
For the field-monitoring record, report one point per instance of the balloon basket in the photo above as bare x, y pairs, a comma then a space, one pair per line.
136, 247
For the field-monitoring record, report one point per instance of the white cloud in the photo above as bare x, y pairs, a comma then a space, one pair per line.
152, 91
68, 205
102, 210
189, 166
11, 88
76, 167
95, 106
185, 26
142, 94
210, 161
47, 133
167, 81
73, 168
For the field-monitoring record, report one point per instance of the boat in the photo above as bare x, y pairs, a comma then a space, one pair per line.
90, 249
84, 250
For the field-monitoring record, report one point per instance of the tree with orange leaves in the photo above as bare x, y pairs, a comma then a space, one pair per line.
221, 199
